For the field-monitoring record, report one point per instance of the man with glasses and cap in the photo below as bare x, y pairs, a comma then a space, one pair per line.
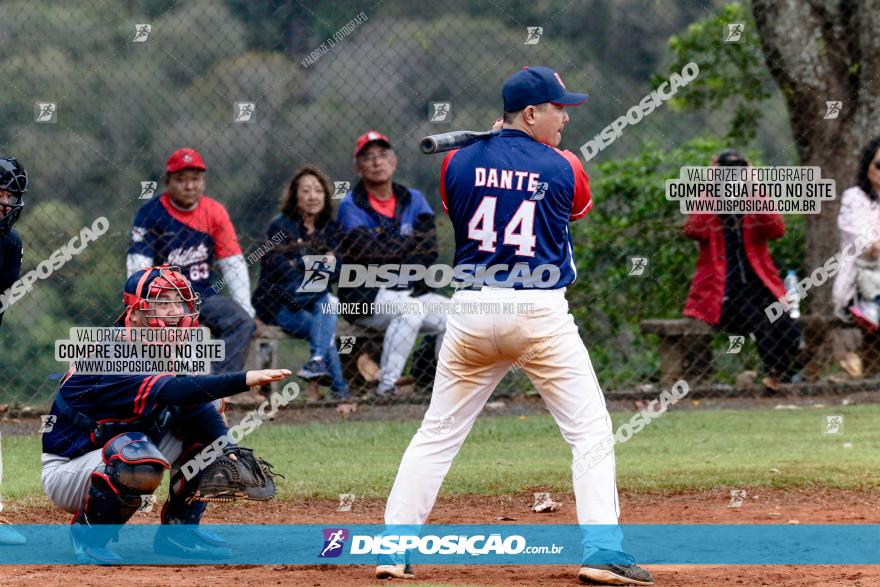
386, 223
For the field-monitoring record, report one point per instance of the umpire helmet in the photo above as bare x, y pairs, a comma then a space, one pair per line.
146, 291
13, 179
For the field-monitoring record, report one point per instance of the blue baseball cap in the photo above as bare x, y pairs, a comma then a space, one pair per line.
536, 85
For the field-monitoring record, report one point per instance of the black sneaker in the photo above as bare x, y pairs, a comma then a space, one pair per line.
315, 370
607, 567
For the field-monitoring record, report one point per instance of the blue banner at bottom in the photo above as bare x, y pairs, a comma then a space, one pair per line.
517, 544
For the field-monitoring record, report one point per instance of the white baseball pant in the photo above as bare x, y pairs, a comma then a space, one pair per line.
478, 350
66, 481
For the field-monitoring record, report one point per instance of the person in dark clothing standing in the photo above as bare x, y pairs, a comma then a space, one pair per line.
735, 280
13, 185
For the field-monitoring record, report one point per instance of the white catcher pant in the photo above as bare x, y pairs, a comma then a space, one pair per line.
478, 350
66, 481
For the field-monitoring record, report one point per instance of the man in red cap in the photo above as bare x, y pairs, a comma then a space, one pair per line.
385, 223
186, 228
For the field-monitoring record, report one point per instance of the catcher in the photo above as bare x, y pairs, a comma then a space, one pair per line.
115, 435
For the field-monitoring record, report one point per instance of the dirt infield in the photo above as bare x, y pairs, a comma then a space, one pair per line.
762, 505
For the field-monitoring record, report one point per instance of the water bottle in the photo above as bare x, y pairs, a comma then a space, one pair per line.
794, 298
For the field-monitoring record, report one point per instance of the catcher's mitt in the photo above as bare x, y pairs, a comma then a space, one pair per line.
244, 477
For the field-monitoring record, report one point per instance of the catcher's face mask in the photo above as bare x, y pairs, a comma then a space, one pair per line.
164, 297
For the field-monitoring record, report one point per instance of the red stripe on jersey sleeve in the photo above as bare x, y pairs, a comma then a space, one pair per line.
443, 168
137, 399
209, 217
581, 200
144, 393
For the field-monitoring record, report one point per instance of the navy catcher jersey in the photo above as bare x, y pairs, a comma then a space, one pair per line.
510, 199
104, 398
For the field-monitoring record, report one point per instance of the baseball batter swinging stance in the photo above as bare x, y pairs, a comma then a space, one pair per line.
510, 199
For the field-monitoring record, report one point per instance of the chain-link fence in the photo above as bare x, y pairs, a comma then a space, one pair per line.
97, 95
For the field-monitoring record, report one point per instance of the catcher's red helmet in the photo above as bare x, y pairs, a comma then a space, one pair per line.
146, 290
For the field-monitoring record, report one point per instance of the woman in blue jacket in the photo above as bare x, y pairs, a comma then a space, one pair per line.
294, 288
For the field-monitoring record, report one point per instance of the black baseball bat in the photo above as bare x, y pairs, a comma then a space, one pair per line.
448, 141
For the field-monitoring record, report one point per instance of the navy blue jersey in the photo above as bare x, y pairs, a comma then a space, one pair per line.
104, 398
189, 239
510, 199
10, 262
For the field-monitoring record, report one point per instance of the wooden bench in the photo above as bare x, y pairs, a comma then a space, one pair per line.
685, 347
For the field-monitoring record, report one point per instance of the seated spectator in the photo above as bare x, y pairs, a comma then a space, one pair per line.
284, 297
856, 288
383, 222
736, 280
185, 228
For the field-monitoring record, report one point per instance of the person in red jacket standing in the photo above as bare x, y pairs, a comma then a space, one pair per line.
736, 280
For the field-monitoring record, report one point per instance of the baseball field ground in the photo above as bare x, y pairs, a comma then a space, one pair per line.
679, 469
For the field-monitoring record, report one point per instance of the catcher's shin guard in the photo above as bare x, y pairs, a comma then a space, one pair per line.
133, 466
180, 507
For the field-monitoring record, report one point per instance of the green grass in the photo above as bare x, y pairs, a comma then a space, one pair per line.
678, 451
